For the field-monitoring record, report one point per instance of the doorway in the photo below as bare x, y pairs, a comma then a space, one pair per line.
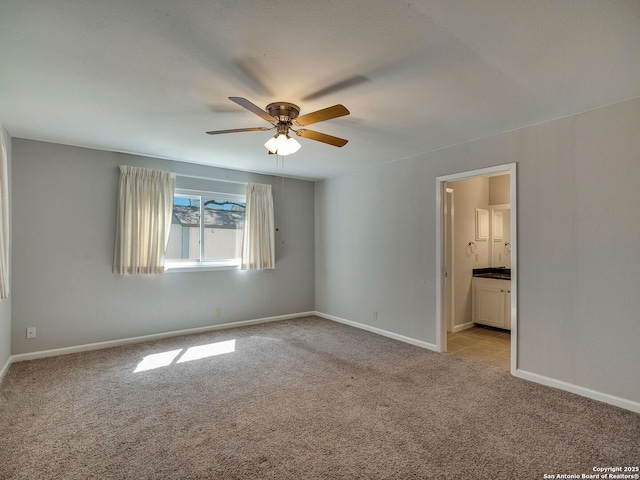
492, 249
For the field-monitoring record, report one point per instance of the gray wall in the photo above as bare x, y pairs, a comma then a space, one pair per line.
5, 305
372, 253
64, 215
578, 243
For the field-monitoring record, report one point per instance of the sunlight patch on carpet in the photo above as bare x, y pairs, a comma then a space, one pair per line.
210, 350
164, 359
157, 360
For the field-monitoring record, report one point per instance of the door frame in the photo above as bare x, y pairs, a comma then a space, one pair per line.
441, 310
449, 261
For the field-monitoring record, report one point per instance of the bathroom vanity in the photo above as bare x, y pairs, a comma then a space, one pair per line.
491, 297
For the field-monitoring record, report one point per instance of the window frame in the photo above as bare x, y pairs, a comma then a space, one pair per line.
202, 265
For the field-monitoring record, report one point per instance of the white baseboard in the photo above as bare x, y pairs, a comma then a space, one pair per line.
533, 377
147, 338
582, 391
464, 326
5, 368
379, 331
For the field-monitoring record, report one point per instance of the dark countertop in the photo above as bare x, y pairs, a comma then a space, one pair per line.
499, 273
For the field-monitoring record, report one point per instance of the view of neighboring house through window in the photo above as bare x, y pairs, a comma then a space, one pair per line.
206, 228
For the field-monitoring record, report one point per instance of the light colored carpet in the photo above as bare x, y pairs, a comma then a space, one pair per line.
299, 399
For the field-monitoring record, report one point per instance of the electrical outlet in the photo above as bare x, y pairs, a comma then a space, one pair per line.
375, 314
218, 312
31, 332
500, 256
476, 257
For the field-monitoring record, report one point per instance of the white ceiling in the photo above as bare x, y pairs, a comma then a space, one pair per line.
151, 76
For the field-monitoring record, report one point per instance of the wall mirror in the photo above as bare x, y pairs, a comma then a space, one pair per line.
500, 242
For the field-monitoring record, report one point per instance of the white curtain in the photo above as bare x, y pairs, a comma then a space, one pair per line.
4, 220
145, 208
258, 242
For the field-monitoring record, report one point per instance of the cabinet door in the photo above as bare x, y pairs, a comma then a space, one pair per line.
489, 305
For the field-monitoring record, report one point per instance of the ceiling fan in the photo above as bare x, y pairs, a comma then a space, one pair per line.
284, 116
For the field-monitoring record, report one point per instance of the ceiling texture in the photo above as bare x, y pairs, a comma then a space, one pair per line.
150, 77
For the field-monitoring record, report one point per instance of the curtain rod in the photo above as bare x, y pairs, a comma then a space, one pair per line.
184, 175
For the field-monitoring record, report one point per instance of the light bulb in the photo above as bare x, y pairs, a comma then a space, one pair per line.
293, 145
271, 145
282, 145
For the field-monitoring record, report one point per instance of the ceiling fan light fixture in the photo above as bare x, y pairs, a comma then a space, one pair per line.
282, 144
292, 145
272, 144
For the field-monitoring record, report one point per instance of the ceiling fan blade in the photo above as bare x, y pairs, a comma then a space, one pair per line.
253, 75
237, 130
321, 137
321, 115
243, 102
337, 86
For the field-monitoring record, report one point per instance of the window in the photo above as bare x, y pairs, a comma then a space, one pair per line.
206, 230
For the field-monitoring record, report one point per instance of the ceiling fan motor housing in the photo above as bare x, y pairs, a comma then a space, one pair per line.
283, 111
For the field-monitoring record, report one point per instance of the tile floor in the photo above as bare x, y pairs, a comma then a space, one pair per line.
491, 346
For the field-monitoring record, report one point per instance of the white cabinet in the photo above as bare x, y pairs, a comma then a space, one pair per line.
491, 302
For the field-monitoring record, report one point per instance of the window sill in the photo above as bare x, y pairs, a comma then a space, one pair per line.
180, 267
